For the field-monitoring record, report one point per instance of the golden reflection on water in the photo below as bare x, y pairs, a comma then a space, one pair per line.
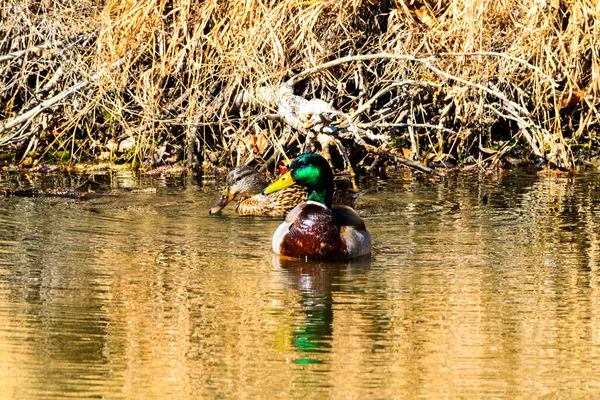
479, 286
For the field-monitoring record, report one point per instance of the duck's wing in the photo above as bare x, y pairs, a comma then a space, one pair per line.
346, 216
353, 231
255, 205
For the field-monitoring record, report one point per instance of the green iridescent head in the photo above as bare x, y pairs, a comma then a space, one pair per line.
313, 172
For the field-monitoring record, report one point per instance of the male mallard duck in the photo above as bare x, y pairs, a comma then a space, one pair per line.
314, 229
246, 184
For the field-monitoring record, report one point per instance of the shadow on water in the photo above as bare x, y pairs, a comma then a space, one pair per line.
316, 283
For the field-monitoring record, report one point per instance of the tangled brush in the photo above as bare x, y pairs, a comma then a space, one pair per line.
442, 83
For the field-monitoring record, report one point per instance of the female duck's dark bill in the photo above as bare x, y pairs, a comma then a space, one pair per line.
283, 182
221, 203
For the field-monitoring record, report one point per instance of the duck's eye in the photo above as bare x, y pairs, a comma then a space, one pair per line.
242, 175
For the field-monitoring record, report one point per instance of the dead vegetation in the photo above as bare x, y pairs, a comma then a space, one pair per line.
443, 83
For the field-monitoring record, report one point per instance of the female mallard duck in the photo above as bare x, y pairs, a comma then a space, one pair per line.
246, 184
314, 229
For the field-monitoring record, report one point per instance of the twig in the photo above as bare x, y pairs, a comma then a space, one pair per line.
404, 125
388, 89
334, 63
400, 57
52, 101
409, 163
501, 55
497, 94
45, 46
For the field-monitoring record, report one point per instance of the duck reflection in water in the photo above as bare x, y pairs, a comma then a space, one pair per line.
316, 282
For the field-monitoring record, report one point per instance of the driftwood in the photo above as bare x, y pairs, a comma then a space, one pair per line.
317, 119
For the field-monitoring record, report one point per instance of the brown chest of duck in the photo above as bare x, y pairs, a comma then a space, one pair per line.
246, 185
316, 229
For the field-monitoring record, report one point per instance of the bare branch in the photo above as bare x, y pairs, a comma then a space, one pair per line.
45, 46
52, 101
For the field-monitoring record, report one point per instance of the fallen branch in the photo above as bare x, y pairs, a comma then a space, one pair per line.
45, 46
316, 116
405, 125
388, 89
400, 57
408, 163
34, 112
513, 109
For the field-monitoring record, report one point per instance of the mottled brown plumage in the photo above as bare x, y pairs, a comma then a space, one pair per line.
274, 205
246, 185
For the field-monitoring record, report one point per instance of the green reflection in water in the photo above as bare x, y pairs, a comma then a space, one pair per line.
315, 281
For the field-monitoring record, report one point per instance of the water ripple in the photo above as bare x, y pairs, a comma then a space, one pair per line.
476, 288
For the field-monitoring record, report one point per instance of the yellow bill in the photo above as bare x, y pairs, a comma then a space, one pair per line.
283, 182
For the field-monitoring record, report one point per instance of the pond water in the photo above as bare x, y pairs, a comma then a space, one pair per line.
480, 285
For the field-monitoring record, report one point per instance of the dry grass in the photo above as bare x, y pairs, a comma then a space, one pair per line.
151, 79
